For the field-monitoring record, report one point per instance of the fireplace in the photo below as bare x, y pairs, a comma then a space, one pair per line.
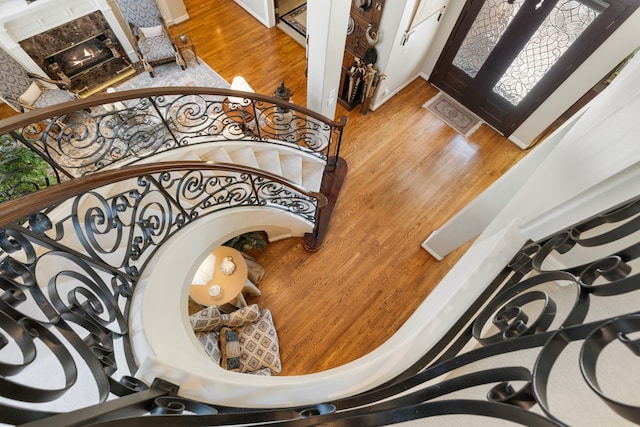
81, 57
84, 51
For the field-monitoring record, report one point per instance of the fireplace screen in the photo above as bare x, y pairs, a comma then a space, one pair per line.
82, 56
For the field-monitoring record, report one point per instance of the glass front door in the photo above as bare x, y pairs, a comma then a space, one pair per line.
506, 56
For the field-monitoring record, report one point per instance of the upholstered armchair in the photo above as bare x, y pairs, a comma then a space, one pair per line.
153, 43
24, 91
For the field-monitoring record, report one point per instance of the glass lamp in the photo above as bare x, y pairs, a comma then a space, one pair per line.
239, 83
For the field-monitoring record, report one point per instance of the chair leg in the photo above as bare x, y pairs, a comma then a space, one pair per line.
239, 302
180, 60
148, 67
251, 289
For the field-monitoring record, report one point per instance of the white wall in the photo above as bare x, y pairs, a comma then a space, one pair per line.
401, 58
595, 166
606, 57
262, 10
325, 53
173, 11
402, 64
583, 168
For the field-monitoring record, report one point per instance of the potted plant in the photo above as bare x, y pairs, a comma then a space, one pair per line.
246, 242
21, 170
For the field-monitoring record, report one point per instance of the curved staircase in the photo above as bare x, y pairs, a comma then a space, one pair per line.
294, 165
98, 237
92, 299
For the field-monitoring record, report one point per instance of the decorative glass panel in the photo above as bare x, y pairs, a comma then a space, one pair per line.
561, 28
494, 17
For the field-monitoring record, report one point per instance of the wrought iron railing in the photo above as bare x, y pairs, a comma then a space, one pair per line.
542, 346
71, 255
70, 258
110, 130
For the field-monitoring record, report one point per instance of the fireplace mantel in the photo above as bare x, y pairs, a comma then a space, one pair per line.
19, 21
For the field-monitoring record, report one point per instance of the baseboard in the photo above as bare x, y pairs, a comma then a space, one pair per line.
374, 107
391, 93
275, 236
255, 15
518, 142
178, 20
299, 38
433, 253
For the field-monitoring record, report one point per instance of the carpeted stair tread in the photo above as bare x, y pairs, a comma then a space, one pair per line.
219, 155
244, 156
269, 160
312, 174
291, 167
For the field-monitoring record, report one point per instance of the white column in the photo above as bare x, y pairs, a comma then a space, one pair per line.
14, 49
117, 22
326, 37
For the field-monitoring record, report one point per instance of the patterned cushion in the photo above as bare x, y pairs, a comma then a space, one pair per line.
142, 13
264, 372
210, 319
156, 48
247, 341
259, 347
209, 342
53, 96
14, 80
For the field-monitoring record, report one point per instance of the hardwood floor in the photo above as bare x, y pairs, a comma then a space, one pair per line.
408, 173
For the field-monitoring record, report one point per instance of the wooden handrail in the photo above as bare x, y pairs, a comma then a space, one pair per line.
13, 210
306, 130
41, 114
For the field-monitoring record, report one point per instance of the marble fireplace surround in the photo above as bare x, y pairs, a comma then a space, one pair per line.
20, 21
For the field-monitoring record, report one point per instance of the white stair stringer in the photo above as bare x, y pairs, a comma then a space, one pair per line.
166, 347
301, 168
291, 163
189, 248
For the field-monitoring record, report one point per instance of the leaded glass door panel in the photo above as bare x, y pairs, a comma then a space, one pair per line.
505, 57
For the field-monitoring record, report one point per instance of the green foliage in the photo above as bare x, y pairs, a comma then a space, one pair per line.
21, 170
248, 241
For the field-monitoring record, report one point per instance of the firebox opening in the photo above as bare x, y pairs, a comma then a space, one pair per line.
81, 56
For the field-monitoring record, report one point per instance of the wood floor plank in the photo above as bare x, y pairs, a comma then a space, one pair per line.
408, 173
